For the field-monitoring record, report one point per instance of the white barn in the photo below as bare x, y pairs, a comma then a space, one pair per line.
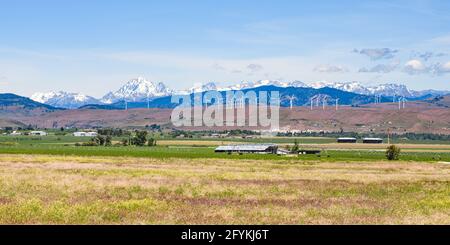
38, 133
85, 134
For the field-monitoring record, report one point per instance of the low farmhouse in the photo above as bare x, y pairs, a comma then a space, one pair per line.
85, 134
38, 133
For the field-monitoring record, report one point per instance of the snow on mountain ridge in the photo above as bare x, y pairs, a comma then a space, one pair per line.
64, 99
136, 90
139, 89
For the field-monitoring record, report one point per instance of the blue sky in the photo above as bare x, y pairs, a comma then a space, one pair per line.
95, 46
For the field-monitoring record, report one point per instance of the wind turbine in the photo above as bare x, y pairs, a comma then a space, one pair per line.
337, 104
291, 99
126, 103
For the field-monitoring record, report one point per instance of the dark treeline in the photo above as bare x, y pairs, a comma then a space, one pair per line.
409, 136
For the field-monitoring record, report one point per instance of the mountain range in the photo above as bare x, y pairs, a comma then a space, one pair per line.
141, 90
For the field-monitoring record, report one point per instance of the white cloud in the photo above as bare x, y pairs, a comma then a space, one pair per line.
415, 66
440, 69
381, 68
218, 67
255, 67
445, 40
377, 53
330, 69
428, 55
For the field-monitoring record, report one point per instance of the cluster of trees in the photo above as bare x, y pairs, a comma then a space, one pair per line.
139, 138
153, 127
99, 140
117, 132
197, 134
423, 136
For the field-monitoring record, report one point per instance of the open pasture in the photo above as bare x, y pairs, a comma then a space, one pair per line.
43, 189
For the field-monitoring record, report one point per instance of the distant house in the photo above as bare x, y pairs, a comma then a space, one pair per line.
346, 140
15, 133
85, 134
38, 133
255, 149
373, 141
284, 152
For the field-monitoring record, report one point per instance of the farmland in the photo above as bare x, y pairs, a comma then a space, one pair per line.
46, 189
49, 180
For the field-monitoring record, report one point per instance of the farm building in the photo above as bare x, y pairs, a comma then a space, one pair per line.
38, 133
257, 149
309, 152
373, 141
346, 140
85, 134
15, 133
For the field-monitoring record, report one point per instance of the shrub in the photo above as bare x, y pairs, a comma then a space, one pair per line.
393, 152
108, 140
140, 138
296, 147
151, 142
99, 139
90, 143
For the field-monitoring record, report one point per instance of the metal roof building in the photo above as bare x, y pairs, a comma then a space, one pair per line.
255, 148
38, 133
347, 140
372, 141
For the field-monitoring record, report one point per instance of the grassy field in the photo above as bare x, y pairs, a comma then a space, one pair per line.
164, 152
42, 189
199, 148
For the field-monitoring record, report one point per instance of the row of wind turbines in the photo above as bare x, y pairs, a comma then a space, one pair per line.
316, 101
240, 103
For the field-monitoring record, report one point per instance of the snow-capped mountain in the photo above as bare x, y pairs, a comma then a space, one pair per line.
391, 89
388, 89
199, 88
240, 86
64, 99
247, 85
298, 84
432, 92
137, 90
354, 87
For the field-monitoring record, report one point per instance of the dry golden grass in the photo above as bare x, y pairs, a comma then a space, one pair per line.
111, 190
